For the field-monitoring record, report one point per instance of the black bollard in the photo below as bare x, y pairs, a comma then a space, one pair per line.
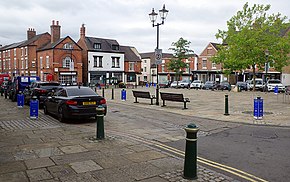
190, 160
226, 105
100, 122
112, 93
103, 92
5, 93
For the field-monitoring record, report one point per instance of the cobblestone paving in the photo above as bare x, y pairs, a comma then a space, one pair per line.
203, 174
27, 123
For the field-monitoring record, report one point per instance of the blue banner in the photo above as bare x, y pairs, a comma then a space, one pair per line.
123, 94
20, 100
34, 105
258, 108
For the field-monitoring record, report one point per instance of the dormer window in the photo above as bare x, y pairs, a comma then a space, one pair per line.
115, 47
97, 46
67, 46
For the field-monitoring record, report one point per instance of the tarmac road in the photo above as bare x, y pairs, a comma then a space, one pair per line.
256, 149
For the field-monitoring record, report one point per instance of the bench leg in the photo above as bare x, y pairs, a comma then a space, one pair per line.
184, 105
136, 100
151, 101
163, 103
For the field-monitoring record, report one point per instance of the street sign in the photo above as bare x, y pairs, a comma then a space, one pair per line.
158, 56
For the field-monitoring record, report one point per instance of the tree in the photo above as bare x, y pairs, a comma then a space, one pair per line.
181, 52
250, 33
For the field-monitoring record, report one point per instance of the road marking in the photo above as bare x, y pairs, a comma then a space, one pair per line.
231, 170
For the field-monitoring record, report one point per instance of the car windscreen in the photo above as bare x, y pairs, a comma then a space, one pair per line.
196, 81
80, 91
274, 81
48, 85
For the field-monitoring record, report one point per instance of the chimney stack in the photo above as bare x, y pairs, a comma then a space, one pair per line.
30, 33
55, 31
83, 31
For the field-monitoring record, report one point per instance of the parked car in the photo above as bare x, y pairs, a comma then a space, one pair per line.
173, 84
164, 84
242, 86
39, 90
271, 84
73, 102
224, 85
209, 85
184, 84
197, 84
259, 84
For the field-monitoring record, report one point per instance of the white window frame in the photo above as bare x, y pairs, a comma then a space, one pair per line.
66, 62
204, 61
213, 65
26, 63
131, 66
41, 62
14, 51
15, 64
26, 51
47, 61
22, 51
9, 64
22, 63
115, 62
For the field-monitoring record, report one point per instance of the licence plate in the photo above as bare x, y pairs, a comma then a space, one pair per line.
89, 103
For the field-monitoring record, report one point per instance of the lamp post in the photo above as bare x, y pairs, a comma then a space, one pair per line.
266, 67
153, 16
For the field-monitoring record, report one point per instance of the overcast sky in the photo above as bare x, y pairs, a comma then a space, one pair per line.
126, 21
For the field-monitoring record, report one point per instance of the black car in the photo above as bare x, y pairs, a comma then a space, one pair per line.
209, 85
242, 86
73, 102
39, 90
223, 86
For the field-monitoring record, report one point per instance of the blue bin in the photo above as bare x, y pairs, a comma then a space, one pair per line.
123, 95
34, 106
258, 108
20, 100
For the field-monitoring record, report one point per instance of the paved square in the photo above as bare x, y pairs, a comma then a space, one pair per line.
85, 166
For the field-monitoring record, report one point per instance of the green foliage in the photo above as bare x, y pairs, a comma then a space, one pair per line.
250, 32
181, 52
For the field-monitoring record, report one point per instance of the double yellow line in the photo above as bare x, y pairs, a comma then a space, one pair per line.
207, 162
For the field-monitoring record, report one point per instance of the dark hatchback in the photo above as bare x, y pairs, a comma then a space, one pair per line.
39, 90
224, 86
209, 85
242, 86
73, 102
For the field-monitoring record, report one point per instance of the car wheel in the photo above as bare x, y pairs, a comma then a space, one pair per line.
45, 110
60, 115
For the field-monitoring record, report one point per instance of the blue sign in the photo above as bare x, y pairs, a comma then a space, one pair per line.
276, 90
258, 108
123, 95
154, 84
20, 100
34, 105
147, 85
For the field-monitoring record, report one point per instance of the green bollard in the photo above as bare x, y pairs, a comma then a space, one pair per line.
100, 122
226, 105
112, 93
190, 161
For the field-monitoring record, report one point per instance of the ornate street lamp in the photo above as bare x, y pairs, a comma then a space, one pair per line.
153, 16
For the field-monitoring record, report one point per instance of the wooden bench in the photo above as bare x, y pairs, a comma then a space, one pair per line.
144, 95
174, 97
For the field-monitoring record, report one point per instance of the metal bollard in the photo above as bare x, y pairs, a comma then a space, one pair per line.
112, 93
190, 161
103, 92
100, 122
226, 105
5, 93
